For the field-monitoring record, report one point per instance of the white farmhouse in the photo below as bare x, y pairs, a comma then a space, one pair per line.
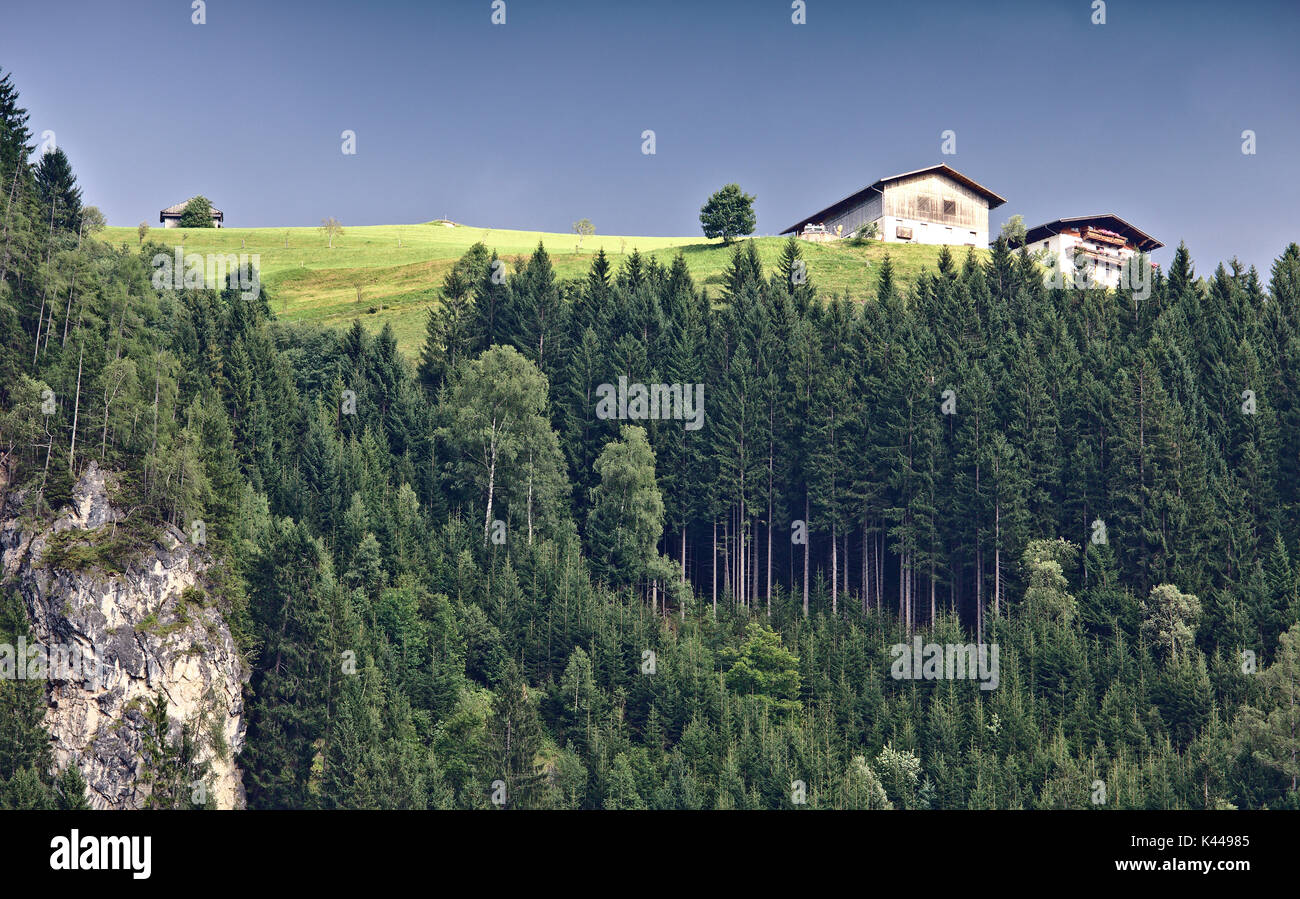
1095, 246
935, 205
171, 216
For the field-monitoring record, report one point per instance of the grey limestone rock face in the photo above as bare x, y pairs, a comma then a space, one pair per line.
132, 635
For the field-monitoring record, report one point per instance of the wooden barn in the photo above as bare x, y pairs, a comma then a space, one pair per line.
935, 205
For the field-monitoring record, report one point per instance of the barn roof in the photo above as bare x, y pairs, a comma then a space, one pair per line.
855, 198
1143, 241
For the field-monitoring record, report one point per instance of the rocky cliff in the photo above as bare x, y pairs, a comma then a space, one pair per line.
133, 620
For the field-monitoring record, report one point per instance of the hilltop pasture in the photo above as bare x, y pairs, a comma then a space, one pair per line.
393, 273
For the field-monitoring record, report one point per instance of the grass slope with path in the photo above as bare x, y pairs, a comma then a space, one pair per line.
367, 275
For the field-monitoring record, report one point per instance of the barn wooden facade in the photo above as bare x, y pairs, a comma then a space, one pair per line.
935, 205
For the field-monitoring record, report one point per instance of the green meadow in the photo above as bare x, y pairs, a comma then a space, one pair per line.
392, 273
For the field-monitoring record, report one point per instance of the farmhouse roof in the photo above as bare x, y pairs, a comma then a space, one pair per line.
854, 198
1110, 222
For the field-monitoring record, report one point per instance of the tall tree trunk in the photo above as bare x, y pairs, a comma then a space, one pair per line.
530, 498
805, 554
727, 588
683, 555
771, 471
790, 569
997, 559
45, 347
103, 439
880, 564
40, 320
45, 472
749, 562
902, 588
880, 568
49, 252
755, 578
153, 446
932, 592
67, 313
13, 187
911, 593
835, 581
845, 538
715, 569
747, 547
769, 552
76, 408
492, 475
742, 552
955, 579
906, 590
865, 586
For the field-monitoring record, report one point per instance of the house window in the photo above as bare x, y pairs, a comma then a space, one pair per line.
923, 205
949, 207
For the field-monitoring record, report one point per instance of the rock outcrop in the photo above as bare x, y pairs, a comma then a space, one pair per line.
150, 628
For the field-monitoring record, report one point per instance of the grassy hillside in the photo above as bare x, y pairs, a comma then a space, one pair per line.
367, 275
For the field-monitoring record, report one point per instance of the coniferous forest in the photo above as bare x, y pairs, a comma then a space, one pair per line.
455, 583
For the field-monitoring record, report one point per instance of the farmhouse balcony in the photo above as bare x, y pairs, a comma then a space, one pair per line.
1105, 254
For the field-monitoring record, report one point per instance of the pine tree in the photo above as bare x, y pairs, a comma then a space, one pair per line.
449, 336
538, 323
291, 596
514, 738
15, 136
58, 189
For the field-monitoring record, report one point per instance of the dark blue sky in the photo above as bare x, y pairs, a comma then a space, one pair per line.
537, 123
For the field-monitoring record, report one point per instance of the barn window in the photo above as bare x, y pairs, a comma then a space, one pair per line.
949, 207
923, 204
